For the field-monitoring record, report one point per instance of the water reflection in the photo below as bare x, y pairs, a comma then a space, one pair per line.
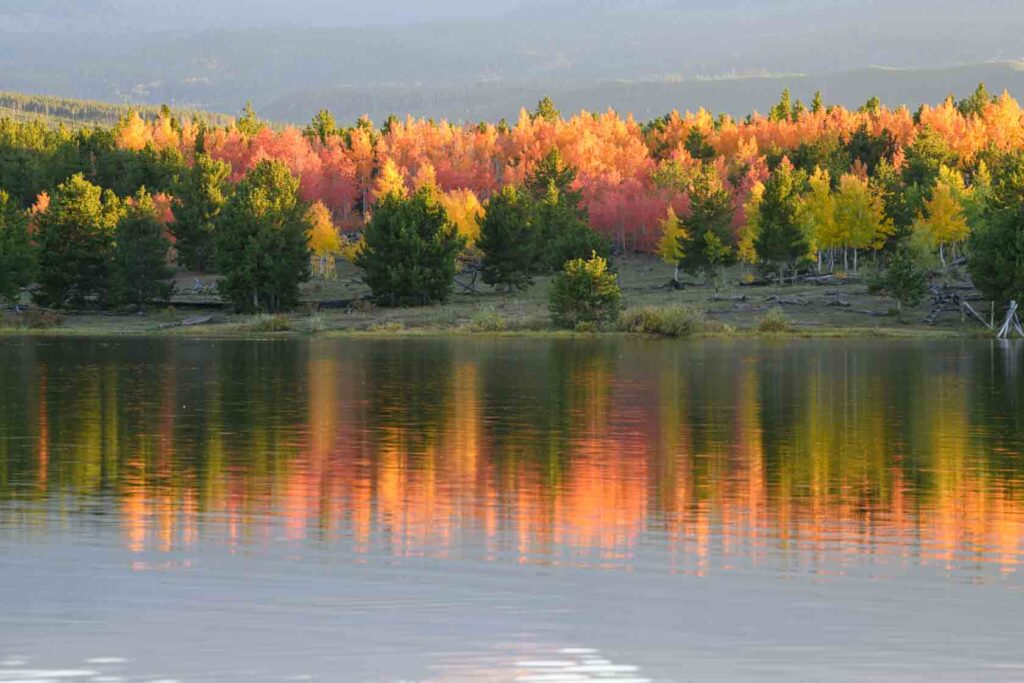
827, 458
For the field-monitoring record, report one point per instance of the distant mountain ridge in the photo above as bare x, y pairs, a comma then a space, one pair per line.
736, 96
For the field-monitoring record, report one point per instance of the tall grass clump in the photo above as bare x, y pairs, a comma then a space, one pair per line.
670, 321
270, 323
774, 321
488, 320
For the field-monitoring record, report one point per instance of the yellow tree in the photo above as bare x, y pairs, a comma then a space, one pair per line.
748, 233
860, 217
391, 181
670, 244
464, 211
324, 241
943, 221
818, 216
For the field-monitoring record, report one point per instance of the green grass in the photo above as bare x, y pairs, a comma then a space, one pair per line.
841, 309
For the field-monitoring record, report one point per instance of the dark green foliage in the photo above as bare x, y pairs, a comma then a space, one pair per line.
410, 250
780, 242
783, 110
199, 197
140, 273
698, 147
584, 292
560, 222
17, 256
824, 153
552, 170
35, 158
899, 204
561, 233
322, 127
871, 106
262, 241
818, 103
249, 124
709, 241
75, 237
507, 240
976, 103
869, 149
924, 158
546, 110
903, 279
996, 246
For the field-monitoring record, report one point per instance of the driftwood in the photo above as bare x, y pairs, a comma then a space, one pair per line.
194, 321
864, 311
1012, 324
739, 297
788, 301
468, 287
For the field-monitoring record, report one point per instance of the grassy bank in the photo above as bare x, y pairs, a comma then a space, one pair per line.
841, 308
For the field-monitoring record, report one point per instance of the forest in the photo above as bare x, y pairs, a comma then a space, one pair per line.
806, 187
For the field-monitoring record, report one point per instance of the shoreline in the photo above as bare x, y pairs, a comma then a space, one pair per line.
841, 309
298, 327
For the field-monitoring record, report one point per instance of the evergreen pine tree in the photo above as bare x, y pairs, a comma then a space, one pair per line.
140, 271
781, 241
75, 236
507, 240
410, 247
198, 199
904, 280
708, 242
262, 240
17, 256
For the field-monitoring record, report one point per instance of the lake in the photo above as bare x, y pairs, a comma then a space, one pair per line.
510, 509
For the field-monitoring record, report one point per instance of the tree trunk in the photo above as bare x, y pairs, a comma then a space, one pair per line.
855, 260
846, 259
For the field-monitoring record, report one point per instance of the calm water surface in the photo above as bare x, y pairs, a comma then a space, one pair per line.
533, 510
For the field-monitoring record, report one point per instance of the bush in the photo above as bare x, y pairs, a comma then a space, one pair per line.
774, 321
671, 321
584, 292
488, 320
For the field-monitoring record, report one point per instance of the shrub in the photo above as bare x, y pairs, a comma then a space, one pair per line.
584, 292
671, 321
488, 320
773, 322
